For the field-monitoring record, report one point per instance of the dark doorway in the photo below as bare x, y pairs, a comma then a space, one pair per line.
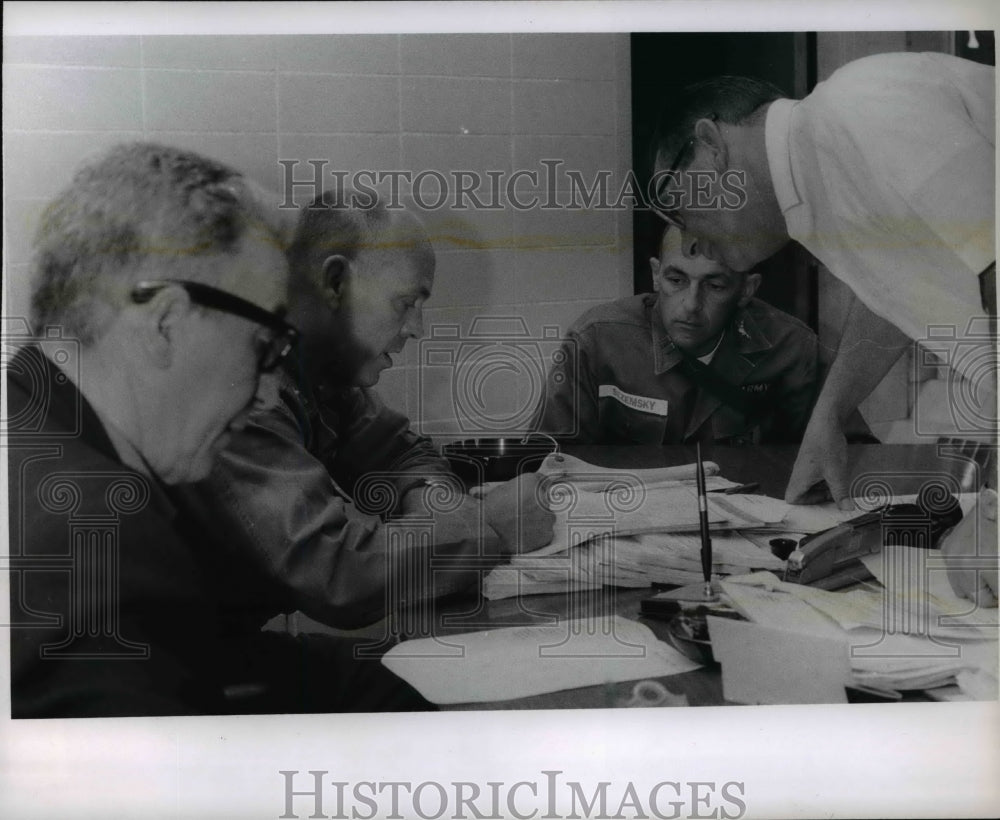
662, 64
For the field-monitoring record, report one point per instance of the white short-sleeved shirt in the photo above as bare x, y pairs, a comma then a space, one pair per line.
885, 172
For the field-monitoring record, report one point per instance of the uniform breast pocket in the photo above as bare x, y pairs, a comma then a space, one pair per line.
731, 427
624, 425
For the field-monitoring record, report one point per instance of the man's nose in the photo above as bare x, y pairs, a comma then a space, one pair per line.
692, 246
414, 326
693, 299
689, 245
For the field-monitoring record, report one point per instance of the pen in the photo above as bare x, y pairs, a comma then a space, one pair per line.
706, 540
739, 488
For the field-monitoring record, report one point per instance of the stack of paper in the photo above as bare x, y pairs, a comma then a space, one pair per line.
632, 528
903, 637
516, 662
633, 561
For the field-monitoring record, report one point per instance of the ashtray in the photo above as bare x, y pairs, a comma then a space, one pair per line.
480, 460
687, 631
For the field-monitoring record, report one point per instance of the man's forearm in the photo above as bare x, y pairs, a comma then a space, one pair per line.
457, 530
869, 347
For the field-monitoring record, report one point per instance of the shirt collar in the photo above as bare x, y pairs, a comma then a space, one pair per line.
743, 335
776, 130
707, 358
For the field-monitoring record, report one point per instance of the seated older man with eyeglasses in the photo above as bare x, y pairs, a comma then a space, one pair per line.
157, 298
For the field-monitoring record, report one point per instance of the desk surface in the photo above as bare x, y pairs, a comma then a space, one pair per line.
903, 468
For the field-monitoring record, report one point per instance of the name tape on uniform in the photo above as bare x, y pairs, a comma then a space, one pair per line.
658, 407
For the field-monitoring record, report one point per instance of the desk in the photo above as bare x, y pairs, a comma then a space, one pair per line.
903, 468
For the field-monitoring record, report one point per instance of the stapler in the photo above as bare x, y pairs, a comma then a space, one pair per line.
832, 559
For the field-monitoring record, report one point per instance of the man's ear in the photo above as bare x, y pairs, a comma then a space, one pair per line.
335, 272
707, 132
750, 284
654, 271
159, 325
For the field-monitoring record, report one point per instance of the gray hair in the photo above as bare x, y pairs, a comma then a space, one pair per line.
140, 207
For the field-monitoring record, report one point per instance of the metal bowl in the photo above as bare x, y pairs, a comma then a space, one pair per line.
480, 460
688, 632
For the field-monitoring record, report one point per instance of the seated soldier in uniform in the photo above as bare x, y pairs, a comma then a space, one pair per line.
327, 502
698, 360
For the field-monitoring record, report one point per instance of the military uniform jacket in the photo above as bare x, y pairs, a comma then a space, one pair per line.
290, 508
619, 379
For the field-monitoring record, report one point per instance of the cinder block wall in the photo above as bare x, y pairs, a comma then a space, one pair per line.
444, 102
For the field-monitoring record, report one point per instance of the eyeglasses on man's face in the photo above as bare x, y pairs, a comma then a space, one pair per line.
273, 346
672, 216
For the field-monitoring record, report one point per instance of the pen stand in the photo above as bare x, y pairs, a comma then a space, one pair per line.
687, 627
694, 593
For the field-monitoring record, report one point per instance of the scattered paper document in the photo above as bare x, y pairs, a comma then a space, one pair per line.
751, 511
807, 519
516, 662
919, 594
896, 638
811, 518
565, 464
765, 600
762, 664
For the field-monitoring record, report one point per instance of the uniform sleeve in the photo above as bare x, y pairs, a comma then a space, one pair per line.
275, 504
374, 438
568, 409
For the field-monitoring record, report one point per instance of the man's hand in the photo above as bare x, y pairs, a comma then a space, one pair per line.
975, 536
516, 511
821, 458
869, 346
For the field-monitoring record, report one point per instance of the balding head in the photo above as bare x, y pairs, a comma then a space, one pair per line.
360, 276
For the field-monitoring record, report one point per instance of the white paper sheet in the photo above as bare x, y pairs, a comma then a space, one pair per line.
582, 515
899, 638
561, 464
763, 664
516, 662
807, 519
918, 590
635, 561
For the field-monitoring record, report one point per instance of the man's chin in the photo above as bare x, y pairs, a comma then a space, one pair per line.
686, 341
199, 469
369, 375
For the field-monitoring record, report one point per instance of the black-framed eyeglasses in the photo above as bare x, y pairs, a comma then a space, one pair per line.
672, 215
273, 349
